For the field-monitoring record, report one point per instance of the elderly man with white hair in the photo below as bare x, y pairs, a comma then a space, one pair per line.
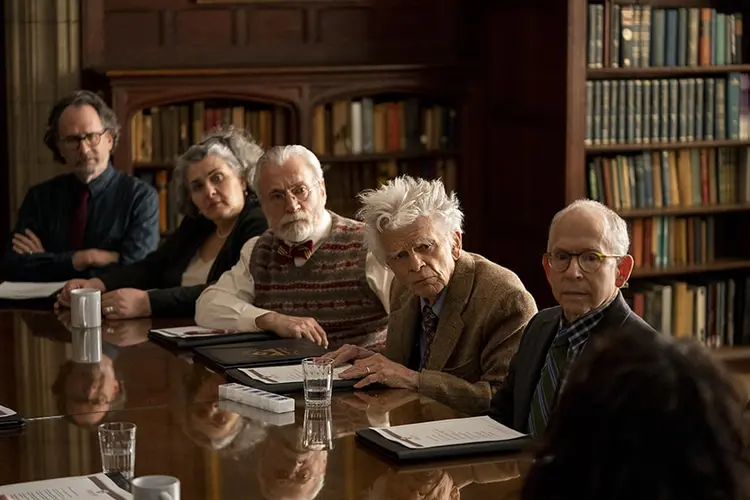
586, 264
456, 318
310, 275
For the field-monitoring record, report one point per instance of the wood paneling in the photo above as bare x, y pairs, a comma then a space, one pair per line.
186, 34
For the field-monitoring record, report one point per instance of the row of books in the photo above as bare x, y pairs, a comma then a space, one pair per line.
665, 242
169, 213
641, 36
671, 178
667, 110
161, 134
367, 126
717, 313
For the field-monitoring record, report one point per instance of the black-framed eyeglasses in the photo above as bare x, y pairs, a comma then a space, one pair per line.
589, 261
74, 141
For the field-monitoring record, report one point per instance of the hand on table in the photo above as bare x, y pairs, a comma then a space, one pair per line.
126, 303
293, 327
347, 353
378, 368
63, 298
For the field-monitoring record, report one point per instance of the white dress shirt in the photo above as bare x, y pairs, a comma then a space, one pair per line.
228, 304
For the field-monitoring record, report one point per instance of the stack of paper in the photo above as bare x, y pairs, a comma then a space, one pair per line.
191, 331
454, 431
65, 488
285, 374
20, 291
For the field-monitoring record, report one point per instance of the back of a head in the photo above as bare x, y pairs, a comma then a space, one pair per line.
647, 417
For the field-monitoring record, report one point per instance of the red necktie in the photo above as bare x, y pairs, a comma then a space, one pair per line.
78, 220
287, 253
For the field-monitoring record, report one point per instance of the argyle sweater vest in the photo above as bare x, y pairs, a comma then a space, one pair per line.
330, 287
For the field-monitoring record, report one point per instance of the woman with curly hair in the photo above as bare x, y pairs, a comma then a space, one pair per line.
646, 417
212, 184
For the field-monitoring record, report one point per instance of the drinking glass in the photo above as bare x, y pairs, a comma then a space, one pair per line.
117, 446
318, 381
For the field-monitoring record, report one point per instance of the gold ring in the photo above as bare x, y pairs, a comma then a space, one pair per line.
108, 309
367, 368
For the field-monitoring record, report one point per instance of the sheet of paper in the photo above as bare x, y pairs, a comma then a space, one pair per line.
6, 412
20, 291
65, 488
191, 331
284, 374
448, 432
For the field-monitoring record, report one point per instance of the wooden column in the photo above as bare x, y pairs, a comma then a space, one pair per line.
42, 52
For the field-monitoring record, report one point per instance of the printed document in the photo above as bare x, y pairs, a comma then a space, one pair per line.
284, 374
20, 291
191, 331
448, 432
65, 488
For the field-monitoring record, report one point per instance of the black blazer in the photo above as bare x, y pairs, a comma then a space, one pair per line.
512, 403
161, 271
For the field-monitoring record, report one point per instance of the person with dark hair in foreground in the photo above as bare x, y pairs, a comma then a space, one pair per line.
90, 220
646, 417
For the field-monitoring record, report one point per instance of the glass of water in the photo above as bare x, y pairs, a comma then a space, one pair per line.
318, 381
117, 445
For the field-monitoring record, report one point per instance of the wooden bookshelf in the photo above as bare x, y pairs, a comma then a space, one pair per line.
625, 148
396, 156
712, 267
681, 210
664, 72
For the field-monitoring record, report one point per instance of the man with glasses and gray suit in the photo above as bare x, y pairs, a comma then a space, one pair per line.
586, 264
86, 222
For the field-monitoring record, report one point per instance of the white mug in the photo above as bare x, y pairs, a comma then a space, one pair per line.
156, 488
87, 345
85, 308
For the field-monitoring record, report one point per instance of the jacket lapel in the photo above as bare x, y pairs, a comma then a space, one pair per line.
403, 325
451, 324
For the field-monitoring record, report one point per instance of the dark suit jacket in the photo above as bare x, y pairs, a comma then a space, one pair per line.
485, 310
161, 271
512, 403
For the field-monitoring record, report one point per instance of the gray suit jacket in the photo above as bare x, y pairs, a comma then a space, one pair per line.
484, 314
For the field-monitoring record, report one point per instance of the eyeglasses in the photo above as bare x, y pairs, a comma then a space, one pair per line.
589, 262
74, 141
300, 193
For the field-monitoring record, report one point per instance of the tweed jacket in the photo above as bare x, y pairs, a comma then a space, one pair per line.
485, 312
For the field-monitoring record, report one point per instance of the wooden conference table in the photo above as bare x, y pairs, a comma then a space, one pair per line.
184, 431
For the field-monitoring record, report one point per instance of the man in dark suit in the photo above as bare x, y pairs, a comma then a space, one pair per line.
586, 264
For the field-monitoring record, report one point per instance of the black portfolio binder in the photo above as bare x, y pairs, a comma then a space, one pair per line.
252, 354
204, 340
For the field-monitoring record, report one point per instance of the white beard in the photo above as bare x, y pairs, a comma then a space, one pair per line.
297, 231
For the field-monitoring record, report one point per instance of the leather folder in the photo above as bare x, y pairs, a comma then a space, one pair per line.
202, 341
254, 354
400, 453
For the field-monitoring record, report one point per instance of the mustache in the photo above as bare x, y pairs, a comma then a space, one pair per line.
296, 217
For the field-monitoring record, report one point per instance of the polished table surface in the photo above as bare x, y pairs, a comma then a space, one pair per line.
184, 430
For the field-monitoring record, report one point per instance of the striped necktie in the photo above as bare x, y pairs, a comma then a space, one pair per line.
549, 382
429, 327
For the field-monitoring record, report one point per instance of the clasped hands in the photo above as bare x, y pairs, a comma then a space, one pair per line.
373, 368
118, 304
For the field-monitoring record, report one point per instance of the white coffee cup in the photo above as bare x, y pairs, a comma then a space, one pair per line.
87, 345
85, 308
156, 488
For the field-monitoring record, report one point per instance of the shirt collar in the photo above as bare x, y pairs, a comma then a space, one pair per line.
320, 233
100, 184
437, 306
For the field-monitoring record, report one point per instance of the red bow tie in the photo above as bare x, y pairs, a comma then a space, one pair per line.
287, 253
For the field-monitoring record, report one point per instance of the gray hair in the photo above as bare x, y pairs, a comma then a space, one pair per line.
616, 236
403, 200
235, 146
278, 155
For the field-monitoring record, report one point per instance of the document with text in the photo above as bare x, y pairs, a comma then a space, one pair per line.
19, 291
284, 374
191, 331
65, 488
450, 432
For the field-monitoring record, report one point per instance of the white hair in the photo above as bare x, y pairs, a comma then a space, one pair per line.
403, 200
278, 155
616, 236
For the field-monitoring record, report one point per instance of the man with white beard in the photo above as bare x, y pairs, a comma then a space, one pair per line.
310, 275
